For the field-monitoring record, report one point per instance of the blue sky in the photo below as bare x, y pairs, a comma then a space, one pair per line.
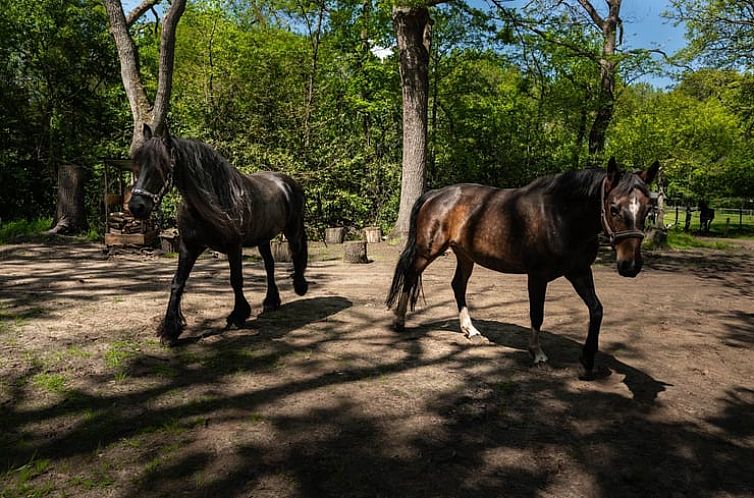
642, 21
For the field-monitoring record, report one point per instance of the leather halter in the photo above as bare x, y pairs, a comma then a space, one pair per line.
156, 198
613, 235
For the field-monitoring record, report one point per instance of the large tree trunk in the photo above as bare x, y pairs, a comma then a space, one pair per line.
70, 215
413, 32
142, 111
608, 68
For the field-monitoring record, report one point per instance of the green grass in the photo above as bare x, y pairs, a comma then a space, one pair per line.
718, 227
50, 382
10, 230
683, 240
18, 482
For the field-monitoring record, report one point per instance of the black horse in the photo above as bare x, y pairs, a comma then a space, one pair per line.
547, 229
222, 210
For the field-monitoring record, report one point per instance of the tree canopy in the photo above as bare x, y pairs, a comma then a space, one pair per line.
312, 89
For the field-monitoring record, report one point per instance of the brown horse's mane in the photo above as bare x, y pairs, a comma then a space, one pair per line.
584, 183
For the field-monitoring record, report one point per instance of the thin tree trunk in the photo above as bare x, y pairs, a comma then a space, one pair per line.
608, 67
413, 32
142, 110
310, 90
70, 214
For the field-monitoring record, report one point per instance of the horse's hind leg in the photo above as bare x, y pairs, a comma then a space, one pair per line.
537, 291
272, 299
411, 286
296, 236
173, 323
241, 310
464, 267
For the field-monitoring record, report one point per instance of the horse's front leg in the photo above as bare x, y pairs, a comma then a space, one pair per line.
241, 310
173, 323
272, 299
583, 283
537, 291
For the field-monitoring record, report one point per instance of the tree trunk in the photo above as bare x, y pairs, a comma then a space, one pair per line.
70, 215
660, 224
608, 68
413, 32
142, 110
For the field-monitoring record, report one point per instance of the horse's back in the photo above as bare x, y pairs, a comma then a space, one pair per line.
487, 224
278, 204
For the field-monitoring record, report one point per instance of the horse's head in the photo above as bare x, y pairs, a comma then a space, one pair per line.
154, 159
625, 203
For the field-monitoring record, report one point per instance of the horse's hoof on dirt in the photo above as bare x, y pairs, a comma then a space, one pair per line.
300, 285
269, 306
476, 338
596, 374
169, 342
399, 326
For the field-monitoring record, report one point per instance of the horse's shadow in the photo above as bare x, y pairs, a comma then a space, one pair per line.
290, 316
563, 353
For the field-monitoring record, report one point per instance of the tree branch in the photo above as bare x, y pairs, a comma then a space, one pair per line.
165, 75
592, 13
139, 11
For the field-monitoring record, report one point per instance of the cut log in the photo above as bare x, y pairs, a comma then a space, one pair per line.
281, 253
335, 235
373, 235
355, 252
170, 240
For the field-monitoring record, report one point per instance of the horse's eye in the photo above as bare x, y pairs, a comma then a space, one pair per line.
614, 210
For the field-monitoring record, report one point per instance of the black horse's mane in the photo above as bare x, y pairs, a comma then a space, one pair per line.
207, 182
584, 183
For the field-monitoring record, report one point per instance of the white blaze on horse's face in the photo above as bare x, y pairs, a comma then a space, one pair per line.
633, 207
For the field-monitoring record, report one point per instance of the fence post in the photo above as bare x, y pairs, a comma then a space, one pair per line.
740, 218
676, 216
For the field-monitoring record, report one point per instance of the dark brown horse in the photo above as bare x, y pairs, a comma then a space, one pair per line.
222, 210
548, 229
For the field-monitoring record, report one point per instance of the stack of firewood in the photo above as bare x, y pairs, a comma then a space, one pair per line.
125, 223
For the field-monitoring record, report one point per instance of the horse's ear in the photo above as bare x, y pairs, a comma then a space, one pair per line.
147, 132
613, 172
166, 138
649, 175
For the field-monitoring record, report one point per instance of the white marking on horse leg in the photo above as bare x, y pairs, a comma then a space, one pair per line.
400, 311
535, 349
466, 326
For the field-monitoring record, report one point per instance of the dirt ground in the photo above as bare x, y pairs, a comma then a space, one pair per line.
322, 399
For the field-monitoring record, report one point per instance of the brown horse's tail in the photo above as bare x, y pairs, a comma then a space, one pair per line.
405, 277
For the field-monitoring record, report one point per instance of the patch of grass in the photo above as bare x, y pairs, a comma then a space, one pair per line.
118, 353
11, 230
100, 478
256, 418
50, 382
683, 240
18, 481
171, 255
93, 235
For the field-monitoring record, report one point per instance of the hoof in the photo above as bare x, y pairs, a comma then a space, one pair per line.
271, 304
476, 338
300, 285
169, 330
595, 374
399, 326
539, 357
238, 316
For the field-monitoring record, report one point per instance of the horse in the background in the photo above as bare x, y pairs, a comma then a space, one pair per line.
546, 230
222, 210
706, 215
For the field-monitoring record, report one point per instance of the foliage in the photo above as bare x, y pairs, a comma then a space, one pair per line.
12, 230
260, 82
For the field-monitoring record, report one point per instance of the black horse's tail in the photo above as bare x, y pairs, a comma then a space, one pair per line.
405, 277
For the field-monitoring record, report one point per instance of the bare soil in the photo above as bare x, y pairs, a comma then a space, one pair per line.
322, 399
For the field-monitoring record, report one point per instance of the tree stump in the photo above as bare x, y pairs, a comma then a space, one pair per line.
335, 235
373, 235
355, 252
170, 240
70, 214
658, 238
281, 253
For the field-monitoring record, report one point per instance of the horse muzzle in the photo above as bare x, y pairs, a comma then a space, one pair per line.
140, 206
629, 268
